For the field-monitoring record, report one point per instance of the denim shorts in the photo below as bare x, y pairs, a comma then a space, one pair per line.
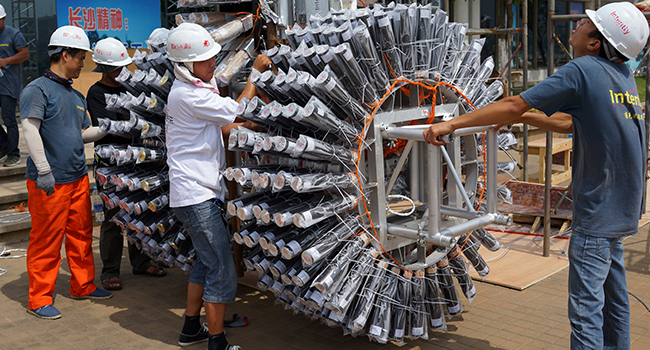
214, 266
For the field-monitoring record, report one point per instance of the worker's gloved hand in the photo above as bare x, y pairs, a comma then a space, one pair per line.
45, 182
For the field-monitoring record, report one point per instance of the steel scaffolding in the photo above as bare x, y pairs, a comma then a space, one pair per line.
24, 19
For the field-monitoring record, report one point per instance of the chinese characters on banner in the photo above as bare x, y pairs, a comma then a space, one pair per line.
127, 20
99, 19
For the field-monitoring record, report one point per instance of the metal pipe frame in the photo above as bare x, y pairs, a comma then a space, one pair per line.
414, 132
548, 171
484, 31
524, 21
572, 18
399, 166
434, 234
447, 237
457, 180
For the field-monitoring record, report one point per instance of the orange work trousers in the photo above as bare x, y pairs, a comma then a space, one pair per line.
65, 213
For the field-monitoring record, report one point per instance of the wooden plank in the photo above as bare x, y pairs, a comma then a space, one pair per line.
559, 144
533, 211
536, 224
565, 226
561, 177
523, 264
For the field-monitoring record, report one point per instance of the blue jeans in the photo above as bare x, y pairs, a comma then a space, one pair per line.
599, 308
214, 266
9, 139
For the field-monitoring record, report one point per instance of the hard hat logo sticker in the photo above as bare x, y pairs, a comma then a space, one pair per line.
72, 35
206, 43
620, 23
185, 46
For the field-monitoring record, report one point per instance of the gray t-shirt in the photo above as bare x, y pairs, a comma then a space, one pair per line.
609, 152
11, 39
62, 111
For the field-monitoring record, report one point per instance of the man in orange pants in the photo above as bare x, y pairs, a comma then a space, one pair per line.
68, 214
56, 126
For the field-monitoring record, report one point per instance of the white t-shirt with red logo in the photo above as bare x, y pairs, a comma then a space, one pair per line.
195, 147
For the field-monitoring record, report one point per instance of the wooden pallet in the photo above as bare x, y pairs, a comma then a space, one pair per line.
528, 205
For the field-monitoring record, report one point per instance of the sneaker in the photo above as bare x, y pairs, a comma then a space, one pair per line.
12, 160
47, 312
214, 345
3, 154
201, 336
98, 294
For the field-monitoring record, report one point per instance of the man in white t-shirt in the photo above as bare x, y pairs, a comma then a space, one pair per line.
196, 118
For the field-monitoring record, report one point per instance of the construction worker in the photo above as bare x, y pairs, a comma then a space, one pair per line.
13, 51
56, 126
595, 97
111, 56
196, 118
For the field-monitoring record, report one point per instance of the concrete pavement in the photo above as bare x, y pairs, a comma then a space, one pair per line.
148, 314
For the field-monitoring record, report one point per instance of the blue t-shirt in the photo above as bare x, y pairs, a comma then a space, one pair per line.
11, 39
62, 111
609, 153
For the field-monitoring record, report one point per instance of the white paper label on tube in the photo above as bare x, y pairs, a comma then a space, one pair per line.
280, 266
293, 247
328, 281
317, 297
303, 276
375, 330
329, 86
316, 60
348, 54
437, 322
307, 216
328, 56
346, 35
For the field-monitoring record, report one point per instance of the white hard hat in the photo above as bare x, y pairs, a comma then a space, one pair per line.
190, 42
3, 14
70, 36
623, 25
110, 52
157, 39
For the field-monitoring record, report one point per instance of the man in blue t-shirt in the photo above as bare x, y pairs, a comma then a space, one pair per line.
13, 51
56, 126
595, 97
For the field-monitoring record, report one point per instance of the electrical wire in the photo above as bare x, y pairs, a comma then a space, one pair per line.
14, 221
6, 254
641, 301
399, 196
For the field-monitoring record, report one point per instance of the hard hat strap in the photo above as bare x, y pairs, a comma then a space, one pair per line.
108, 75
55, 50
612, 54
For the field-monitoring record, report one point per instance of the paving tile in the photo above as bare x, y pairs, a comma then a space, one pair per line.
148, 313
